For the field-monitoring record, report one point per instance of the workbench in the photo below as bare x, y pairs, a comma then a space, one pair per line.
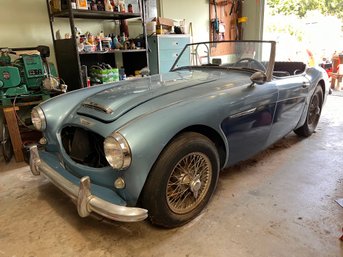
10, 117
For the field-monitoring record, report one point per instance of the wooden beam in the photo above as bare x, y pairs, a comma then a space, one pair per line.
12, 124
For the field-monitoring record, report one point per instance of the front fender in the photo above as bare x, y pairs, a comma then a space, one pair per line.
148, 136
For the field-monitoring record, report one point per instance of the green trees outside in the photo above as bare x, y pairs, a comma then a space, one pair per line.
301, 7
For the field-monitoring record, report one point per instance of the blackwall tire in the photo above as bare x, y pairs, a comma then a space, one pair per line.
313, 114
182, 180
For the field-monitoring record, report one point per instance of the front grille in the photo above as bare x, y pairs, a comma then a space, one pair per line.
84, 147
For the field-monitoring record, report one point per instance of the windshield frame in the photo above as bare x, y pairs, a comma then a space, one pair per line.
269, 69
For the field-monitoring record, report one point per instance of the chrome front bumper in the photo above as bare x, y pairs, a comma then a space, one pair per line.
82, 196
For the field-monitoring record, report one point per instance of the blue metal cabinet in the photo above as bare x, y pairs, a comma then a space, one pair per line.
164, 51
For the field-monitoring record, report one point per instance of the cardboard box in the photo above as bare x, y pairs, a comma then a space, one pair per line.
81, 4
163, 25
164, 21
55, 5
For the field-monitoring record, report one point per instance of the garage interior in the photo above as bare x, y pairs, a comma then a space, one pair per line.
285, 201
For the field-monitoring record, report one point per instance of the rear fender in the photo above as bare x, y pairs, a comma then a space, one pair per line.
316, 76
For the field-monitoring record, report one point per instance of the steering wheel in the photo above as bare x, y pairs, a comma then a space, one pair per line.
250, 63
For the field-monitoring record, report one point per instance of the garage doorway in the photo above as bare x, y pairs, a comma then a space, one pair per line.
312, 39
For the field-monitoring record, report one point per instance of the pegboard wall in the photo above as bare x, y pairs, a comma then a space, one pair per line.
224, 23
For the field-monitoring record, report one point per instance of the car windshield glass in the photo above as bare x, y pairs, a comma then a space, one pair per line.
252, 55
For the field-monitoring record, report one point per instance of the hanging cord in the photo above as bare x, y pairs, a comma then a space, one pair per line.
17, 116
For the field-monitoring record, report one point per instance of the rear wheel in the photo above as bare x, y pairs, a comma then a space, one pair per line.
182, 180
313, 114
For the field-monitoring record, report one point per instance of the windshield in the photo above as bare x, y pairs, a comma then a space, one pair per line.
248, 55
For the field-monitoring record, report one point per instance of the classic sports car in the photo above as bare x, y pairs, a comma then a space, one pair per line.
153, 147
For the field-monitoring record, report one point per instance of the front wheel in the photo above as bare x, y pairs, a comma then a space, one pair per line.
182, 180
313, 114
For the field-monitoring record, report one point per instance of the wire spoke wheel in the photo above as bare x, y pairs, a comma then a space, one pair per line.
189, 182
182, 181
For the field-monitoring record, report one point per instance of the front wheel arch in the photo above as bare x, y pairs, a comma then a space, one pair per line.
214, 136
166, 179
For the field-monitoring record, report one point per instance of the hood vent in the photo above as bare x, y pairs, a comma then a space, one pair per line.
98, 107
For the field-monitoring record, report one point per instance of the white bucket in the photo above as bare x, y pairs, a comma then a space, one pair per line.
151, 27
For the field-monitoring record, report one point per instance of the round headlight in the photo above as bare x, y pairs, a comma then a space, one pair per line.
117, 151
38, 118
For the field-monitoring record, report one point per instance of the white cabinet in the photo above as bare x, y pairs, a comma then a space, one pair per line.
164, 50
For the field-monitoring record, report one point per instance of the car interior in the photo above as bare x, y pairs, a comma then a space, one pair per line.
284, 69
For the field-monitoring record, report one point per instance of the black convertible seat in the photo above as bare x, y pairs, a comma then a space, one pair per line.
288, 68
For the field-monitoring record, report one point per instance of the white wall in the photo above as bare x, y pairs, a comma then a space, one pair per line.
24, 24
196, 12
253, 28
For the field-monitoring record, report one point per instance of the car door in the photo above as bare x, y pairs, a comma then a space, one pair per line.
248, 126
290, 104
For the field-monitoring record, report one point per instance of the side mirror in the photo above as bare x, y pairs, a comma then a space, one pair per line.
258, 78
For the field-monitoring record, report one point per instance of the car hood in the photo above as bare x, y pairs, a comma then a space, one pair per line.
110, 104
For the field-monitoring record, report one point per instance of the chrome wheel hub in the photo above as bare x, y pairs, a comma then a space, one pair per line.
195, 186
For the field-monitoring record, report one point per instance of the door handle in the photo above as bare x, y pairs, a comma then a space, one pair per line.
243, 113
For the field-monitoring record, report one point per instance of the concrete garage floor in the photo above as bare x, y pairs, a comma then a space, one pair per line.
281, 203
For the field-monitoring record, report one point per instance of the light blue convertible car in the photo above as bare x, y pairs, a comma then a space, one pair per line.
153, 147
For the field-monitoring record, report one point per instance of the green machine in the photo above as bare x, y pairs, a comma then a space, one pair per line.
28, 75
25, 77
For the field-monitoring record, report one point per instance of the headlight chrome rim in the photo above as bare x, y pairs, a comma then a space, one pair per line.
117, 143
38, 118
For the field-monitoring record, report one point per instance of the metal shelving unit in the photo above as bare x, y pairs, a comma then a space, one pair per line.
69, 59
